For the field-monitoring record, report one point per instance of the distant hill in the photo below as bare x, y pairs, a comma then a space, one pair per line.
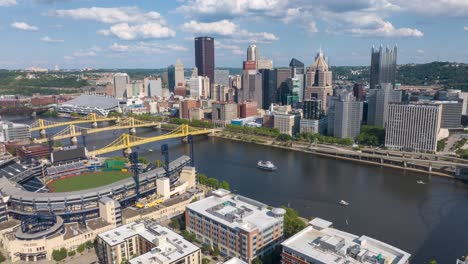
447, 74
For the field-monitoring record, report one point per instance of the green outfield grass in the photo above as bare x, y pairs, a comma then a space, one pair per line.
88, 181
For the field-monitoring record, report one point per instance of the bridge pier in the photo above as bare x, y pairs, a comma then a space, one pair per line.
74, 141
94, 125
34, 114
127, 152
132, 131
184, 139
43, 133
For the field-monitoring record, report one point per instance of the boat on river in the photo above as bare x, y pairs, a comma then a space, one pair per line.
344, 203
266, 165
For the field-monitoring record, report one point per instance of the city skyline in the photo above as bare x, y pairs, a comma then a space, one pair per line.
119, 34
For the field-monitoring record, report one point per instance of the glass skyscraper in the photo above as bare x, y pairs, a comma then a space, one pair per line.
383, 66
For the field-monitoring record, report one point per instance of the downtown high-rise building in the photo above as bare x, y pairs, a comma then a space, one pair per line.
120, 84
319, 81
171, 78
383, 66
205, 57
413, 127
179, 77
221, 77
378, 101
344, 116
252, 53
251, 88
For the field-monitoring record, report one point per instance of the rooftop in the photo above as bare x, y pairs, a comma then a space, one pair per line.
168, 245
87, 100
235, 261
319, 241
235, 211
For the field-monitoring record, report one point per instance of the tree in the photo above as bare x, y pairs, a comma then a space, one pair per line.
292, 222
205, 261
433, 261
143, 160
2, 258
81, 248
257, 260
216, 251
174, 224
194, 200
371, 135
72, 253
73, 114
224, 185
59, 255
89, 244
207, 248
58, 144
284, 137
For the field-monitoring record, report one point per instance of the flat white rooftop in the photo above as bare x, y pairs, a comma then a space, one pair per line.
319, 241
235, 211
235, 261
168, 245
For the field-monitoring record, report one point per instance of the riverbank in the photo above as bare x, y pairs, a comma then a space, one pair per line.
282, 145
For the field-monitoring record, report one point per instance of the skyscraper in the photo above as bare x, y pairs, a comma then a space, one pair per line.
344, 116
252, 53
298, 73
312, 109
251, 88
171, 78
358, 91
221, 77
383, 66
120, 84
378, 100
179, 74
413, 127
205, 57
319, 81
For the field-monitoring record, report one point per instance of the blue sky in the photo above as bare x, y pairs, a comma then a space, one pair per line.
154, 33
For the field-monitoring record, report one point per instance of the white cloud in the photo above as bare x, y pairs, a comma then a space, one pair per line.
84, 53
146, 47
236, 50
48, 39
68, 57
127, 23
222, 27
439, 8
125, 31
368, 25
230, 8
312, 27
8, 2
466, 28
24, 26
291, 15
420, 51
227, 29
111, 15
119, 47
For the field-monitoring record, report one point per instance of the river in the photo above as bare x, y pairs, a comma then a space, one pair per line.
428, 220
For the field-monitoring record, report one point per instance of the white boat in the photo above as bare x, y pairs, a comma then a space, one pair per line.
344, 203
266, 165
420, 182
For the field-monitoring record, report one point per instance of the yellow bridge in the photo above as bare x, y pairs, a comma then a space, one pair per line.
73, 131
126, 141
42, 125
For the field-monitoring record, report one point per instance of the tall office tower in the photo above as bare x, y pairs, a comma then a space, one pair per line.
251, 88
194, 72
120, 84
171, 78
136, 89
383, 66
312, 109
223, 113
179, 77
153, 86
205, 57
378, 100
319, 81
199, 87
358, 91
298, 73
413, 127
222, 77
344, 116
252, 53
269, 89
451, 114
